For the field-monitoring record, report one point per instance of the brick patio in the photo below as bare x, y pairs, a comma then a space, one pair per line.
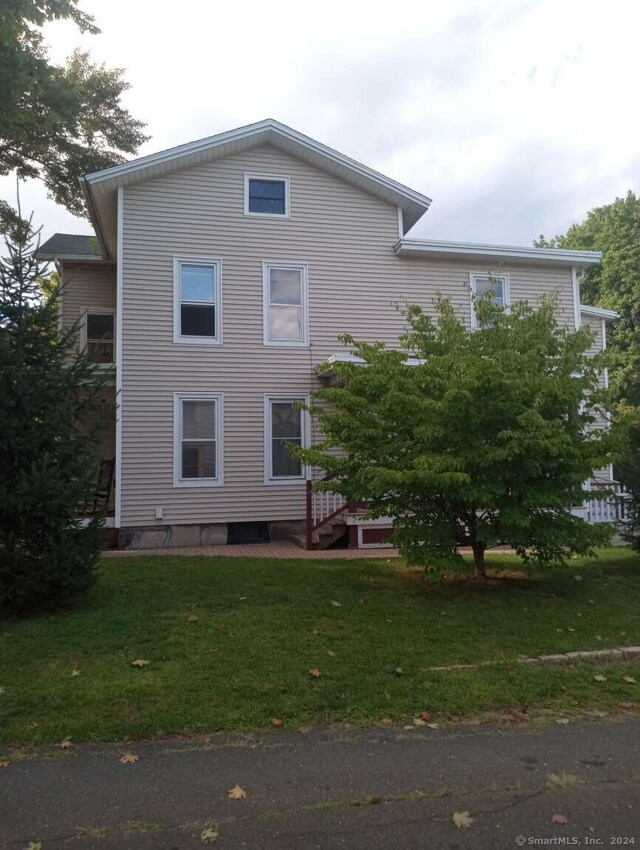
278, 549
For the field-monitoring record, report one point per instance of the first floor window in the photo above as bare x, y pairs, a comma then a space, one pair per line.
497, 286
198, 439
285, 425
285, 305
197, 300
100, 334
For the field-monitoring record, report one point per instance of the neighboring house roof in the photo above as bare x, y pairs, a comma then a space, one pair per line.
69, 246
101, 186
498, 253
599, 312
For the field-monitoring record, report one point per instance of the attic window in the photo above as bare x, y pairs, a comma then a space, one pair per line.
266, 195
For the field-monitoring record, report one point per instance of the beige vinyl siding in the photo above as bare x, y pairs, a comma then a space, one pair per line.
86, 285
344, 235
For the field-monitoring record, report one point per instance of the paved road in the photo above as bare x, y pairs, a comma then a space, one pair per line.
342, 788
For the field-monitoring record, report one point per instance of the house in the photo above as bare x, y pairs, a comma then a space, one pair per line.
219, 277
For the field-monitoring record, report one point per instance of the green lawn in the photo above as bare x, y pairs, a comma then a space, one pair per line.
371, 627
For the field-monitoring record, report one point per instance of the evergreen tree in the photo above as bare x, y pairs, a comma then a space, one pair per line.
487, 439
52, 414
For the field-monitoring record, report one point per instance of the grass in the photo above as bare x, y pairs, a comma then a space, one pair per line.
263, 624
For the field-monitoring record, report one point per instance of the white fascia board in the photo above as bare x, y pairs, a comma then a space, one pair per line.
269, 126
599, 312
408, 247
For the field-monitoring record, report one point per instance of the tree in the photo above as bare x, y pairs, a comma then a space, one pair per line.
613, 229
486, 439
57, 123
52, 415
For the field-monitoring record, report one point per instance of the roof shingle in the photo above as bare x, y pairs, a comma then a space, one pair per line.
62, 245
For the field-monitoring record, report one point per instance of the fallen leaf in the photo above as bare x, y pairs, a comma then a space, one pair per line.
237, 793
315, 673
75, 673
4, 762
332, 654
629, 680
562, 720
129, 758
140, 662
336, 604
398, 671
34, 845
600, 678
626, 705
2, 690
276, 721
561, 819
193, 618
386, 721
462, 820
433, 725
598, 637
425, 715
64, 744
418, 721
570, 629
561, 780
578, 578
208, 835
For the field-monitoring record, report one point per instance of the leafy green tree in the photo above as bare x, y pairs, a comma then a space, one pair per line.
57, 122
613, 229
52, 415
487, 439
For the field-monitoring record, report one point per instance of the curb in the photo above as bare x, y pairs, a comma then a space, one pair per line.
621, 653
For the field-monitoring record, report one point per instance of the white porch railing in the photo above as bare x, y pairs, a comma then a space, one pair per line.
610, 508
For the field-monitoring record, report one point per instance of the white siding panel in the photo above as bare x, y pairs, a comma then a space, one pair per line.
355, 280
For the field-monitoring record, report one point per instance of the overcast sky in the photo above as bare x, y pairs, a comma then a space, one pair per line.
515, 116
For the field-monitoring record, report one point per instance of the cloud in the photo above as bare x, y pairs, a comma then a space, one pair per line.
515, 117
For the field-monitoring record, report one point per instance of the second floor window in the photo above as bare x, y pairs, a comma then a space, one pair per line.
197, 301
484, 284
99, 329
285, 305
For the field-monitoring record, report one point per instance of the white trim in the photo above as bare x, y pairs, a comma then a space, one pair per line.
304, 269
598, 312
215, 262
407, 247
400, 223
65, 258
575, 283
605, 371
273, 178
178, 398
119, 324
506, 290
269, 478
98, 311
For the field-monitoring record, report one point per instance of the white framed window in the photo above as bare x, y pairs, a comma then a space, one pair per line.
98, 334
483, 282
197, 300
286, 313
267, 195
197, 440
284, 423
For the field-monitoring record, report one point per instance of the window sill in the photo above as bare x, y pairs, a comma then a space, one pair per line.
197, 482
196, 340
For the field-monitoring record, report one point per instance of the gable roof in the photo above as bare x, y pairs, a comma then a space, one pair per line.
101, 186
69, 246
